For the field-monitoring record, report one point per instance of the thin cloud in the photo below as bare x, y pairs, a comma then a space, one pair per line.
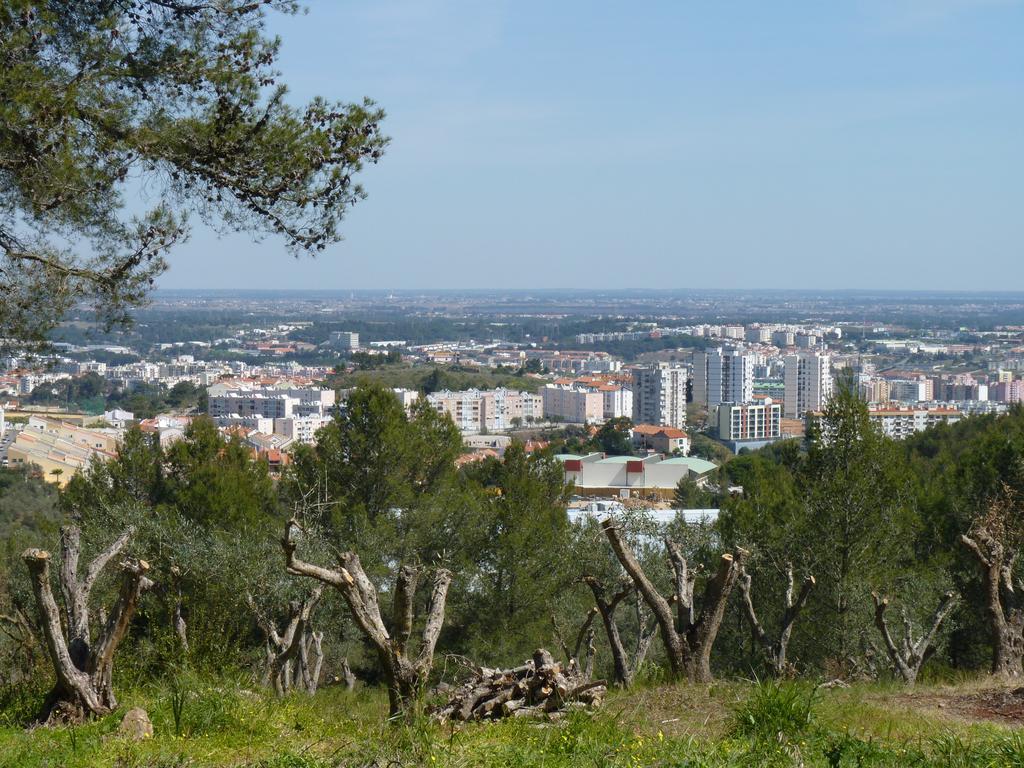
928, 15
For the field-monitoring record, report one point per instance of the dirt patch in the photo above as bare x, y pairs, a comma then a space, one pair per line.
1005, 705
1002, 705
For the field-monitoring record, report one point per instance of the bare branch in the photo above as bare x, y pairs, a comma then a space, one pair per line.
908, 660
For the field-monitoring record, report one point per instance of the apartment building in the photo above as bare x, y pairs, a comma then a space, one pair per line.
300, 429
899, 423
783, 339
874, 390
572, 405
911, 390
463, 408
722, 376
100, 440
496, 410
659, 395
269, 402
959, 387
587, 400
406, 397
579, 362
808, 383
267, 405
1007, 391
617, 400
503, 408
59, 450
896, 423
758, 422
347, 341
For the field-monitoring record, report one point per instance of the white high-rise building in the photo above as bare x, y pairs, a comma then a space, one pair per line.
722, 376
659, 395
808, 383
345, 340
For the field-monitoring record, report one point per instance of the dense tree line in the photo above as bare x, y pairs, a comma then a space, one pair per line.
94, 394
430, 379
631, 349
801, 574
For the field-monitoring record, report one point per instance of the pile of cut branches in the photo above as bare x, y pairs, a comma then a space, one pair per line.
538, 687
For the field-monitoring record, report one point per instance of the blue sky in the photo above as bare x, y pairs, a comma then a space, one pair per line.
558, 144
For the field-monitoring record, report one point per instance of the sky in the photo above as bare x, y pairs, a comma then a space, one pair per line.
677, 144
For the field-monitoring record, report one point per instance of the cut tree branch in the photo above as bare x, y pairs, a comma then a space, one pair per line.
908, 657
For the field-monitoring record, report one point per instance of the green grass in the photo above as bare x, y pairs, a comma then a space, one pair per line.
202, 722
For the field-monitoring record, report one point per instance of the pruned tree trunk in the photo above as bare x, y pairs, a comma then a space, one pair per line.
584, 644
647, 628
623, 668
83, 666
775, 648
622, 672
311, 659
288, 652
177, 610
347, 676
908, 656
688, 636
1004, 606
405, 672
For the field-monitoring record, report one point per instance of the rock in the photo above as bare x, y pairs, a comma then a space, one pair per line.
136, 725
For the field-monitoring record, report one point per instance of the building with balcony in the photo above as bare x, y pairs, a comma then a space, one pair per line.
808, 383
749, 425
659, 395
722, 376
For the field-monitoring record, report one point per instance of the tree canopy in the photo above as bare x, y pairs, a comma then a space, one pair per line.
100, 98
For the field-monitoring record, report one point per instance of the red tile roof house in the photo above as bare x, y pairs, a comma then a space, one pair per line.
660, 439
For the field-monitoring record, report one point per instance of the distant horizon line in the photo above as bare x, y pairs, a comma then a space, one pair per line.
609, 290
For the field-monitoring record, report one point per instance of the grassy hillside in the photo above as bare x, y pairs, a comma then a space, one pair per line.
225, 723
